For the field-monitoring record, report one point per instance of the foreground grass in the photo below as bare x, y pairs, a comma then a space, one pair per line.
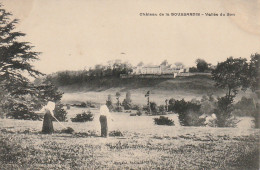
192, 148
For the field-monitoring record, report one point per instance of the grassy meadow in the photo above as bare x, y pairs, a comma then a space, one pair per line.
143, 145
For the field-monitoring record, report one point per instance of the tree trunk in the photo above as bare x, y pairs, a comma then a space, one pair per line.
47, 127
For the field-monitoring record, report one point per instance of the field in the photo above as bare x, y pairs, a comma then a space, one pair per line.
142, 146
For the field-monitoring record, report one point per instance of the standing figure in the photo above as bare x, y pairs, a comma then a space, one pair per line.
104, 119
47, 126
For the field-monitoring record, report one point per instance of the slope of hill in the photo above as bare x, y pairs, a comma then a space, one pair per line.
195, 84
161, 89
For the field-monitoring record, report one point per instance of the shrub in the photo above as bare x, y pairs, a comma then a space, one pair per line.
256, 116
246, 107
208, 107
189, 112
115, 133
136, 107
21, 111
193, 118
83, 104
90, 104
68, 106
162, 110
60, 113
162, 120
127, 102
139, 112
118, 109
83, 117
154, 108
223, 112
68, 130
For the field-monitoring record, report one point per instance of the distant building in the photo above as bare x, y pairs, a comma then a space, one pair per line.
161, 69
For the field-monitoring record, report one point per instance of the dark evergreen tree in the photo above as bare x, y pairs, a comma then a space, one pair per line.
19, 96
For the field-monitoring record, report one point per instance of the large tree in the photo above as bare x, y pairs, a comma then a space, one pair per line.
19, 96
202, 65
254, 80
231, 75
253, 73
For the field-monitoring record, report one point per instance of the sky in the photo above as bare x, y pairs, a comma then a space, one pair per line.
73, 35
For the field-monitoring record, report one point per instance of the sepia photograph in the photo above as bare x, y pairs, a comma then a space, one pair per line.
133, 84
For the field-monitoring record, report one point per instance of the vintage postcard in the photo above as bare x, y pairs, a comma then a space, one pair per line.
133, 84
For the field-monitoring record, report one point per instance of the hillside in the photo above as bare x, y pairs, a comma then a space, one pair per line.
161, 89
195, 84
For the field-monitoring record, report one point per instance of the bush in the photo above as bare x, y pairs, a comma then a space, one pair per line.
115, 133
83, 117
90, 104
68, 130
136, 107
223, 112
162, 120
83, 104
245, 106
139, 112
21, 111
127, 102
68, 106
60, 113
154, 108
185, 109
193, 119
118, 109
208, 107
162, 110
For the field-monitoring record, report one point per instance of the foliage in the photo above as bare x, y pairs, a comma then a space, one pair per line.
256, 116
208, 104
60, 113
68, 130
192, 118
118, 109
20, 111
193, 69
83, 104
181, 106
127, 102
253, 73
139, 112
223, 112
254, 80
112, 69
115, 133
184, 109
231, 75
202, 65
162, 120
244, 107
83, 117
154, 108
162, 110
19, 96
